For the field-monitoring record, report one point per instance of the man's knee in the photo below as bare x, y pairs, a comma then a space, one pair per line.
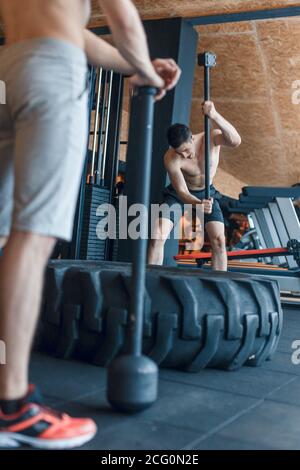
161, 230
157, 243
41, 245
218, 243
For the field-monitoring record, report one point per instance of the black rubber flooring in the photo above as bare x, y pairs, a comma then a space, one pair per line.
253, 408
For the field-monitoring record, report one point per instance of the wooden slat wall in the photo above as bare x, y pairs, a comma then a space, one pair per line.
258, 62
191, 8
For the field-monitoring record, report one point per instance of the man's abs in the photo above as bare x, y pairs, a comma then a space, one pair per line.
197, 182
60, 19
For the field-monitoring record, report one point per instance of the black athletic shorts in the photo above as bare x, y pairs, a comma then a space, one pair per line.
170, 197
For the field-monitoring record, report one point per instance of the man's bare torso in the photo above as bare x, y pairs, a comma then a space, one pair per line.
193, 168
61, 19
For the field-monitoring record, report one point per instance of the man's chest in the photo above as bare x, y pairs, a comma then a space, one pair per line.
196, 166
193, 166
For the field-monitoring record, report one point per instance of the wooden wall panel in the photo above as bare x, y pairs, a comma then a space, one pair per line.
258, 62
191, 8
228, 184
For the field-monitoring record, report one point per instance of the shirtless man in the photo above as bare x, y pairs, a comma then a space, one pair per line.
185, 164
43, 136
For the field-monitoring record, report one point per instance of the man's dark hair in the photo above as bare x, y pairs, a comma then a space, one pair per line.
178, 134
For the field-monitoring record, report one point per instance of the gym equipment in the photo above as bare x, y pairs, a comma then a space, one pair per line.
271, 192
249, 241
293, 249
189, 318
133, 378
207, 60
193, 318
275, 228
276, 222
101, 170
95, 193
101, 167
275, 225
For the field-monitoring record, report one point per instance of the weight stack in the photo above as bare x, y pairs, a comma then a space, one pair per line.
91, 247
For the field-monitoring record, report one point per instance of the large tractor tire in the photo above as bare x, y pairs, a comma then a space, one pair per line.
193, 319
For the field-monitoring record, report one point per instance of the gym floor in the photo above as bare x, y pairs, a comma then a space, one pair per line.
253, 408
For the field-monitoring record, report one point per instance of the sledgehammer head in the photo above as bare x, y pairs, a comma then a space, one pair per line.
207, 59
132, 383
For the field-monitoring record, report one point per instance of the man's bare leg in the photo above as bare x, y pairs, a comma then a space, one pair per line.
21, 279
160, 234
216, 233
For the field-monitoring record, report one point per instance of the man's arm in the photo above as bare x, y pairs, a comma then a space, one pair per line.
130, 38
102, 54
173, 168
226, 134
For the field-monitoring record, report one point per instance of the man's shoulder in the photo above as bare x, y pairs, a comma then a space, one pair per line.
171, 157
198, 136
198, 139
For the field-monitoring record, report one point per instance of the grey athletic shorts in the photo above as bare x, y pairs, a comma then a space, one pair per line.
43, 136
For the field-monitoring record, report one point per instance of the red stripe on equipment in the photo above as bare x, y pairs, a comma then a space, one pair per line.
238, 254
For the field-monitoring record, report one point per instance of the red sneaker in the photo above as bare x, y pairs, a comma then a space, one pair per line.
41, 427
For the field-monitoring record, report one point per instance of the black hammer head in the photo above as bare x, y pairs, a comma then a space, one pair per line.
207, 59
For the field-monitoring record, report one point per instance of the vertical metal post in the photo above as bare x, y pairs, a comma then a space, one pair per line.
96, 126
103, 163
140, 137
207, 128
207, 60
103, 107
